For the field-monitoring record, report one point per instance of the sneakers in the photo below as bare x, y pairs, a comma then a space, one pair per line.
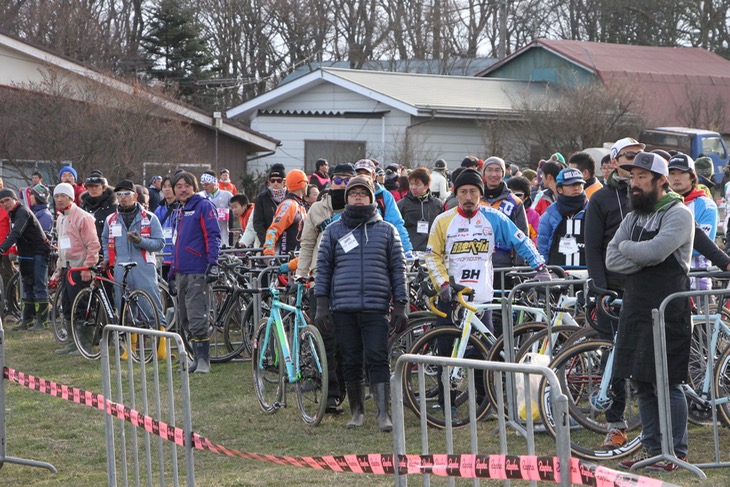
614, 439
627, 464
665, 466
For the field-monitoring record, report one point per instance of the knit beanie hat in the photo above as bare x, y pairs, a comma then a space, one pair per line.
68, 169
40, 193
64, 188
296, 180
8, 193
469, 176
363, 182
495, 160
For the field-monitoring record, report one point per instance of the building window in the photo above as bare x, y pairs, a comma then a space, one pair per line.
335, 151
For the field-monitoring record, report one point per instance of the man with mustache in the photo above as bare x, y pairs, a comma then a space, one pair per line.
653, 247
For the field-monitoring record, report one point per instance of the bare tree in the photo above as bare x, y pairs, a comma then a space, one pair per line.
703, 110
58, 121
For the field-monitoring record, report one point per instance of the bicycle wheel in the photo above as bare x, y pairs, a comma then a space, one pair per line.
579, 370
235, 331
312, 376
268, 367
440, 342
722, 385
58, 320
219, 306
169, 307
402, 343
88, 318
12, 295
140, 312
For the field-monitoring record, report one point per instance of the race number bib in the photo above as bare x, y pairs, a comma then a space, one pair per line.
568, 245
223, 214
422, 226
167, 232
64, 243
116, 229
348, 242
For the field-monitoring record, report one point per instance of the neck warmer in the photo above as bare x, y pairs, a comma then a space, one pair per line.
490, 194
358, 215
128, 214
337, 197
570, 205
278, 194
107, 197
664, 202
693, 194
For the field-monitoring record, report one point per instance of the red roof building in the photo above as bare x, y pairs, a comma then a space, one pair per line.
676, 85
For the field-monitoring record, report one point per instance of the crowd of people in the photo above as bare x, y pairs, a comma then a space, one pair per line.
636, 229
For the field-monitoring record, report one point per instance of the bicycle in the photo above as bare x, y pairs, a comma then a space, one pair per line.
92, 310
303, 363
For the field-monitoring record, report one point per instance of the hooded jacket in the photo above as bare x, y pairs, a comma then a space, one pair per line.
197, 237
26, 233
363, 278
78, 243
101, 207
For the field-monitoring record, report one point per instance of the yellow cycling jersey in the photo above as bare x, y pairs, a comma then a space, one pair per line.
461, 246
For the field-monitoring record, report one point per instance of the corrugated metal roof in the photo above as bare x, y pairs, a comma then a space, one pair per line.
666, 77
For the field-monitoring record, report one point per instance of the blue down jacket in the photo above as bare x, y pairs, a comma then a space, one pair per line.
365, 278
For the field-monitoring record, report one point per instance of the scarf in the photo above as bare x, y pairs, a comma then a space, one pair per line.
278, 194
664, 202
491, 194
337, 198
128, 214
693, 195
354, 216
570, 205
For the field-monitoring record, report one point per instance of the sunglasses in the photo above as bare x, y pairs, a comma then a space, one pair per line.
628, 155
124, 193
276, 180
339, 180
519, 195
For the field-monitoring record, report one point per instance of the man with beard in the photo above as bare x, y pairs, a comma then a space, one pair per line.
561, 233
653, 247
320, 215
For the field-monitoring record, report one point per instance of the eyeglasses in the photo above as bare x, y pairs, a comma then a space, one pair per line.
276, 180
339, 180
628, 155
124, 193
361, 194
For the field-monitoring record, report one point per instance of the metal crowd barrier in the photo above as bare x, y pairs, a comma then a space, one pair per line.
560, 401
4, 458
660, 361
144, 458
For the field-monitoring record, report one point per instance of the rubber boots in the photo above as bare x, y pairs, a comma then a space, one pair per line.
130, 345
356, 395
41, 316
381, 395
27, 309
202, 356
70, 345
162, 346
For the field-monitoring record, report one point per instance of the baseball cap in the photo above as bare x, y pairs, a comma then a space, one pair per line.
625, 142
682, 162
648, 161
366, 164
569, 176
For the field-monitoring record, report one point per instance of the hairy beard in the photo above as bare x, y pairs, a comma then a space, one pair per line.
644, 202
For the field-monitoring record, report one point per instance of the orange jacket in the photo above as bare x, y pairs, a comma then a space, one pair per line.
229, 186
285, 231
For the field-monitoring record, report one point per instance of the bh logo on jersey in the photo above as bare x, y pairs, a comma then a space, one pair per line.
470, 275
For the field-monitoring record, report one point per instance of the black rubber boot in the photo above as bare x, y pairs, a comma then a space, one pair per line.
202, 355
356, 396
41, 316
381, 396
27, 309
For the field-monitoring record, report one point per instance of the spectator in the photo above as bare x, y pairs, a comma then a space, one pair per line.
520, 187
221, 199
439, 181
166, 214
143, 196
6, 267
39, 205
224, 182
154, 186
606, 168
546, 197
285, 232
419, 208
194, 265
583, 162
68, 174
367, 280
33, 251
561, 235
133, 234
36, 178
312, 194
268, 200
78, 246
401, 188
242, 209
320, 177
99, 200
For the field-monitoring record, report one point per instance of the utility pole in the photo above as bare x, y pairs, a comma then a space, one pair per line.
502, 47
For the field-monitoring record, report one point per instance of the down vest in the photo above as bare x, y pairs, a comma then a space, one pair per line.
364, 278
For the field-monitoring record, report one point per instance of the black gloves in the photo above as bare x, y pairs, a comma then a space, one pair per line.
399, 317
323, 320
134, 237
212, 273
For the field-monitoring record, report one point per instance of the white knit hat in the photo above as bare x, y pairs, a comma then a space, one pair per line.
64, 188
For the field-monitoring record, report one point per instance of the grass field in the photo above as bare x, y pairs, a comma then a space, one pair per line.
71, 436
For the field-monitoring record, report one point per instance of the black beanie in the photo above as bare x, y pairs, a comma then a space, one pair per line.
345, 168
8, 193
469, 176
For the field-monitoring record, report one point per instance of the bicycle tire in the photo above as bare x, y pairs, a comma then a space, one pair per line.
312, 385
579, 372
88, 318
402, 343
435, 416
268, 368
219, 351
58, 319
721, 383
536, 342
234, 329
12, 295
140, 311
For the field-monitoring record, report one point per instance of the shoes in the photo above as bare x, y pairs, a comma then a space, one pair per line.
333, 407
627, 464
614, 439
665, 466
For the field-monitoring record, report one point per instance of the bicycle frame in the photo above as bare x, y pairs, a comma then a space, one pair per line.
718, 326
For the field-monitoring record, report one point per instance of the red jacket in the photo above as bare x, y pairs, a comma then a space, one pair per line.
229, 186
4, 225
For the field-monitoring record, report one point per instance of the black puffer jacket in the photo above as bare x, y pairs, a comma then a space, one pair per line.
101, 207
417, 208
263, 213
365, 278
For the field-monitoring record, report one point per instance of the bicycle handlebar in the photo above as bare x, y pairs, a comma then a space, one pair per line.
460, 291
91, 268
433, 307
